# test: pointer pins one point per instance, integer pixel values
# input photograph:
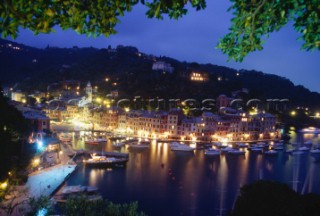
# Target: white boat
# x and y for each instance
(174, 144)
(236, 152)
(212, 151)
(290, 151)
(118, 144)
(101, 161)
(315, 151)
(242, 145)
(227, 149)
(270, 152)
(182, 147)
(256, 149)
(298, 152)
(262, 145)
(303, 148)
(308, 142)
(277, 147)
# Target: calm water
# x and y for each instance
(182, 183)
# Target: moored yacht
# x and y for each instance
(211, 151)
(315, 151)
(303, 148)
(103, 161)
(118, 144)
(182, 147)
(242, 145)
(95, 141)
(236, 152)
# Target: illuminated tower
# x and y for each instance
(89, 92)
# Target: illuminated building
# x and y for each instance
(199, 77)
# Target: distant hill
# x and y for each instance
(130, 72)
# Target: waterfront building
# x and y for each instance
(70, 112)
(55, 114)
(39, 121)
(106, 118)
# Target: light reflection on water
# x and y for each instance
(183, 183)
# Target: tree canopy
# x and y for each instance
(252, 19)
(265, 198)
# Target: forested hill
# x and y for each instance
(130, 72)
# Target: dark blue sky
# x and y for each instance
(193, 38)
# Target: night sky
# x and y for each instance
(194, 38)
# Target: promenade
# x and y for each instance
(44, 183)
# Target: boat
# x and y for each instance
(297, 152)
(270, 152)
(174, 144)
(90, 193)
(262, 145)
(133, 140)
(139, 145)
(315, 151)
(242, 145)
(252, 146)
(226, 149)
(256, 149)
(118, 144)
(217, 144)
(236, 152)
(303, 148)
(277, 147)
(211, 151)
(103, 161)
(308, 142)
(95, 141)
(182, 147)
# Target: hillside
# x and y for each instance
(130, 72)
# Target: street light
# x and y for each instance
(4, 185)
(98, 100)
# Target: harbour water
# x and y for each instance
(183, 183)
